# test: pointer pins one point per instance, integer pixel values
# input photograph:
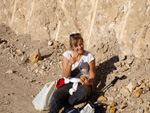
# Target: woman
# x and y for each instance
(77, 62)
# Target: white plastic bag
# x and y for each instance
(42, 100)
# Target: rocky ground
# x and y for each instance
(21, 80)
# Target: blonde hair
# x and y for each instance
(74, 39)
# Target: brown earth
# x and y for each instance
(21, 80)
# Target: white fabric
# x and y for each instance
(76, 65)
(42, 100)
(83, 64)
(75, 82)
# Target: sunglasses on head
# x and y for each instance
(74, 35)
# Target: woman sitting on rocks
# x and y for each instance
(79, 75)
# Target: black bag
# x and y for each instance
(76, 73)
(99, 107)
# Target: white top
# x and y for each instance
(83, 64)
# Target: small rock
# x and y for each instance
(143, 85)
(108, 107)
(19, 52)
(33, 80)
(50, 43)
(37, 82)
(33, 67)
(123, 105)
(130, 87)
(138, 92)
(118, 95)
(10, 72)
(36, 56)
(105, 48)
(24, 45)
(41, 72)
(110, 98)
(117, 64)
(32, 96)
(124, 68)
(140, 81)
(125, 92)
(129, 61)
(36, 71)
(140, 111)
(24, 59)
(43, 67)
(112, 110)
(148, 84)
(122, 57)
(113, 104)
(102, 98)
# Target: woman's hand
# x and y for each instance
(67, 64)
(73, 59)
(85, 81)
(91, 79)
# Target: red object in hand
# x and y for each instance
(60, 82)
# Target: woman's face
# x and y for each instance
(79, 47)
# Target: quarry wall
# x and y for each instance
(107, 26)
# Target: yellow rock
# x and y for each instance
(148, 84)
(113, 104)
(19, 52)
(82, 77)
(143, 85)
(138, 92)
(36, 56)
(112, 110)
(101, 98)
(146, 112)
(104, 106)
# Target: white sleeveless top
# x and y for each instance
(83, 64)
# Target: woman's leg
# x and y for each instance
(59, 97)
(82, 93)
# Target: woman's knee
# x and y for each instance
(85, 90)
(59, 95)
(82, 93)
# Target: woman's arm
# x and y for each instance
(67, 65)
(91, 74)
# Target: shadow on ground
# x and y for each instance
(102, 70)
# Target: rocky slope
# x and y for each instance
(21, 79)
